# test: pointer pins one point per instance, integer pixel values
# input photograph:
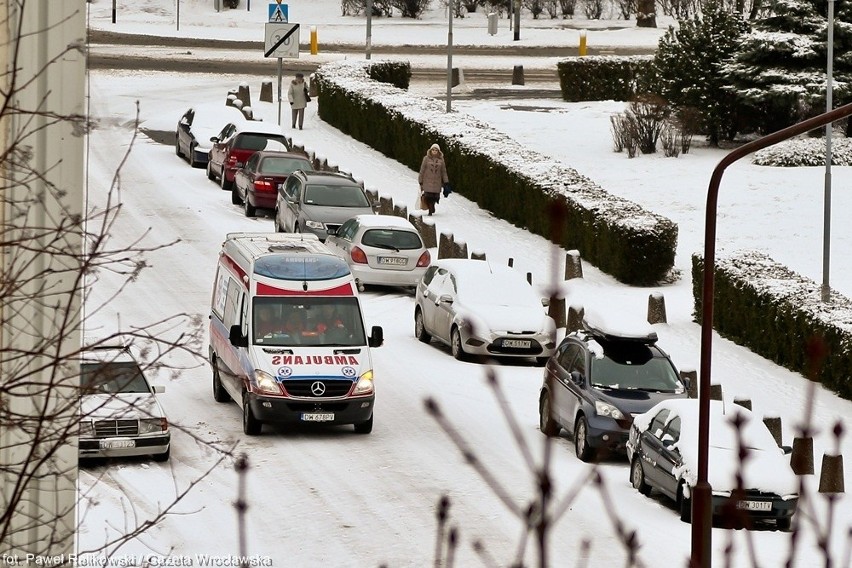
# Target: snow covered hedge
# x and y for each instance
(805, 152)
(778, 314)
(523, 187)
(605, 77)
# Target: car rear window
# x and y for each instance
(391, 238)
(335, 196)
(276, 165)
(257, 141)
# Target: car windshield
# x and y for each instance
(276, 165)
(112, 377)
(288, 321)
(257, 141)
(633, 366)
(335, 196)
(391, 239)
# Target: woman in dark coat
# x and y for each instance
(433, 176)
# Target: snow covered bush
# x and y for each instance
(805, 152)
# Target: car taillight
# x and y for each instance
(424, 260)
(263, 185)
(232, 161)
(358, 255)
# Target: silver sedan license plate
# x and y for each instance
(394, 260)
(117, 444)
(519, 343)
(318, 416)
(755, 505)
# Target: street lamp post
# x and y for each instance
(450, 56)
(825, 290)
(369, 26)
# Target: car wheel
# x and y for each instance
(456, 344)
(193, 163)
(419, 329)
(364, 427)
(250, 209)
(685, 505)
(541, 361)
(223, 180)
(296, 229)
(251, 425)
(177, 147)
(219, 392)
(164, 457)
(784, 524)
(235, 196)
(581, 441)
(546, 423)
(637, 477)
(210, 175)
(278, 227)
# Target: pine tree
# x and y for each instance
(688, 63)
(779, 72)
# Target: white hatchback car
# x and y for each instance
(383, 250)
(120, 415)
(478, 308)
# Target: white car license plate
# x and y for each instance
(519, 343)
(755, 505)
(117, 444)
(394, 260)
(318, 416)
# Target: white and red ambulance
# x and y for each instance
(287, 334)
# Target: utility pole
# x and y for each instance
(825, 289)
(450, 56)
(517, 19)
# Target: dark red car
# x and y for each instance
(235, 144)
(256, 184)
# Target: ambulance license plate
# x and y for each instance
(318, 416)
(755, 505)
(117, 444)
(394, 260)
(518, 343)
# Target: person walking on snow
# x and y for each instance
(297, 94)
(433, 176)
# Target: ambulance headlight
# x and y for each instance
(266, 383)
(364, 384)
(314, 224)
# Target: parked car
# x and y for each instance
(663, 452)
(195, 128)
(257, 183)
(598, 379)
(314, 202)
(483, 309)
(384, 250)
(235, 144)
(120, 415)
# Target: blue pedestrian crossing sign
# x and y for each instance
(278, 13)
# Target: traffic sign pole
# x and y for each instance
(279, 91)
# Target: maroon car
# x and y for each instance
(235, 144)
(256, 184)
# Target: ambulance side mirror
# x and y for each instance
(237, 338)
(377, 336)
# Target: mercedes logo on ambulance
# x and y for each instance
(318, 389)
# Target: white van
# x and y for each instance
(287, 334)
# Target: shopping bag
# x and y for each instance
(423, 204)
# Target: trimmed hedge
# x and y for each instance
(605, 77)
(776, 313)
(523, 187)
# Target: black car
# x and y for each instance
(598, 379)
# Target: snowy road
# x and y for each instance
(326, 497)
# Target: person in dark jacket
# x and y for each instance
(433, 176)
(297, 94)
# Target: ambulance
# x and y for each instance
(287, 334)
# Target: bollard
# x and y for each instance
(518, 75)
(445, 245)
(428, 232)
(385, 205)
(556, 310)
(573, 265)
(400, 211)
(773, 424)
(691, 377)
(744, 402)
(314, 47)
(715, 391)
(492, 23)
(266, 91)
(802, 460)
(477, 255)
(656, 308)
(455, 81)
(575, 319)
(582, 42)
(459, 249)
(831, 475)
(511, 262)
(244, 94)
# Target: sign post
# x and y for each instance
(282, 40)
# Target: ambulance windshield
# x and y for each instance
(308, 321)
